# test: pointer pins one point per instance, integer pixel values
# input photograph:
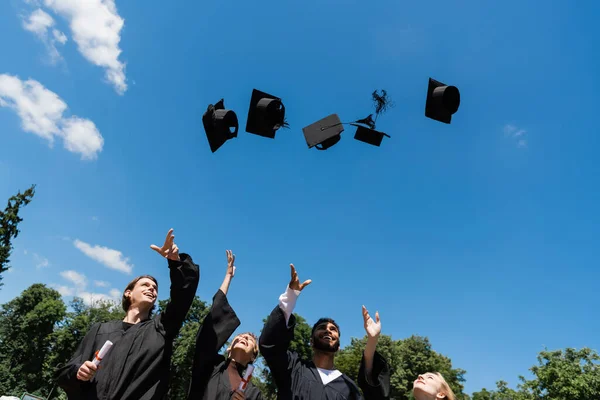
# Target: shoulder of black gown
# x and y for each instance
(185, 275)
(377, 386)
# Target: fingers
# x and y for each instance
(86, 371)
(377, 316)
(169, 236)
(155, 248)
(305, 283)
(366, 316)
(238, 395)
(293, 272)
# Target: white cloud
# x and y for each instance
(96, 28)
(91, 298)
(518, 134)
(101, 283)
(64, 290)
(41, 112)
(40, 262)
(78, 288)
(79, 280)
(113, 259)
(81, 136)
(39, 23)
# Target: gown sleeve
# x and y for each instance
(218, 325)
(274, 343)
(184, 282)
(66, 375)
(376, 386)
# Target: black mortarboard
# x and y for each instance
(218, 123)
(442, 101)
(367, 135)
(265, 115)
(324, 133)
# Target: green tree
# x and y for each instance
(407, 359)
(70, 332)
(183, 348)
(9, 221)
(26, 325)
(565, 374)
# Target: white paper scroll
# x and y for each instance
(100, 354)
(246, 378)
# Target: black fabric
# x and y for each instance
(210, 379)
(299, 379)
(137, 365)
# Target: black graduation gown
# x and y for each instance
(299, 379)
(138, 364)
(210, 379)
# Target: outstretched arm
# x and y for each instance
(278, 332)
(373, 375)
(184, 282)
(230, 272)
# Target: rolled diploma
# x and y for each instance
(100, 354)
(246, 378)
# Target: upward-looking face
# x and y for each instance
(144, 294)
(326, 337)
(428, 386)
(244, 348)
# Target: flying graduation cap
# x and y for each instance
(442, 101)
(266, 114)
(220, 125)
(365, 128)
(324, 133)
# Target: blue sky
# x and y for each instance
(479, 234)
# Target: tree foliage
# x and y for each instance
(9, 222)
(567, 374)
(26, 326)
(407, 359)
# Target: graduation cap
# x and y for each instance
(220, 125)
(265, 115)
(368, 135)
(324, 133)
(442, 101)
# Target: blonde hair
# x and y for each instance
(445, 387)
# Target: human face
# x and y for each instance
(144, 294)
(243, 348)
(428, 386)
(326, 337)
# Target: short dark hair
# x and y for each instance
(126, 301)
(325, 320)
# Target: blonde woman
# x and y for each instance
(432, 386)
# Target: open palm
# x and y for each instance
(372, 327)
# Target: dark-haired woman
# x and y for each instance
(137, 365)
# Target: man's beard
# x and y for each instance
(323, 345)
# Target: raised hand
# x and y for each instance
(295, 282)
(169, 249)
(230, 263)
(373, 328)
